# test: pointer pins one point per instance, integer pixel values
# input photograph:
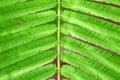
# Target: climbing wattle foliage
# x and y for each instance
(76, 39)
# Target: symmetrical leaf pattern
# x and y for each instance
(59, 39)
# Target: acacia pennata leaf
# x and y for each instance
(59, 39)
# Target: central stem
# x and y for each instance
(58, 42)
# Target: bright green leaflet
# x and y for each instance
(70, 39)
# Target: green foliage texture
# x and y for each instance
(89, 33)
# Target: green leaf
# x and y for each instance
(59, 40)
(96, 9)
(20, 68)
(39, 73)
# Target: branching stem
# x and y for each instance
(58, 42)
